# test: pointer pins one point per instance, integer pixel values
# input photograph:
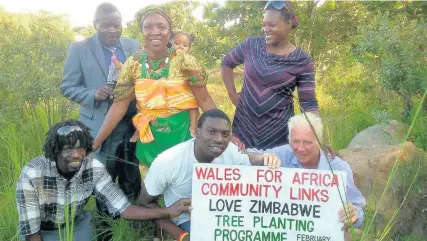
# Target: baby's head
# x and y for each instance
(182, 40)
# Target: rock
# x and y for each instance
(371, 169)
(372, 165)
(376, 162)
(392, 133)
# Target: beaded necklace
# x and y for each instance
(157, 71)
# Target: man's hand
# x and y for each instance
(103, 93)
(348, 216)
(34, 237)
(331, 151)
(271, 160)
(179, 207)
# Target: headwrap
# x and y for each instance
(144, 13)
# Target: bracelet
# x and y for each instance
(192, 79)
(182, 235)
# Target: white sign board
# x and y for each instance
(243, 203)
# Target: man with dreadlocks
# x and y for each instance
(53, 189)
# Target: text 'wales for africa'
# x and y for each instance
(253, 207)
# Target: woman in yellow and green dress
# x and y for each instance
(166, 83)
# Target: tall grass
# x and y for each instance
(69, 227)
(19, 143)
(13, 155)
(387, 229)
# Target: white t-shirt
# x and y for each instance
(172, 171)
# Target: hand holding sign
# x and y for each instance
(238, 143)
(271, 160)
(179, 207)
(351, 216)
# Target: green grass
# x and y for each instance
(14, 154)
(343, 115)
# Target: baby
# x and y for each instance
(183, 40)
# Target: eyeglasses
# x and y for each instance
(279, 5)
(66, 130)
(67, 135)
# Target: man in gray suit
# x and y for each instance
(85, 82)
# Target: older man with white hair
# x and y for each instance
(304, 151)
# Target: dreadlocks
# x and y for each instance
(55, 141)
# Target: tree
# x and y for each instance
(228, 25)
(85, 31)
(394, 48)
(33, 53)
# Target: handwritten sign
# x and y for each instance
(243, 203)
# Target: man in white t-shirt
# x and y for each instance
(171, 172)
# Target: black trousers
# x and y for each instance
(116, 148)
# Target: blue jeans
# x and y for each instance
(82, 230)
(186, 226)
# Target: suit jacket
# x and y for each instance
(84, 72)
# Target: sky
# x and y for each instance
(80, 12)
